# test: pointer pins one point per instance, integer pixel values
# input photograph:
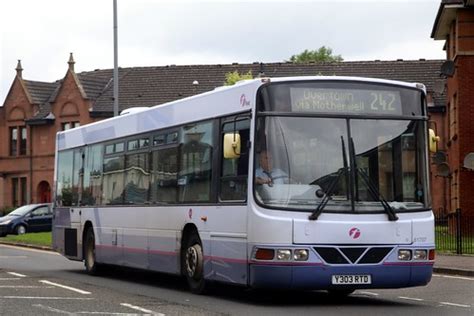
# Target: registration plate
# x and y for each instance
(352, 279)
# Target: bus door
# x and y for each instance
(67, 214)
(229, 238)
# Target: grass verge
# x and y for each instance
(38, 239)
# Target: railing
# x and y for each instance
(454, 233)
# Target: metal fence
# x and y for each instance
(454, 233)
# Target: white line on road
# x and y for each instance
(60, 311)
(25, 287)
(138, 308)
(47, 298)
(411, 298)
(454, 304)
(51, 309)
(367, 293)
(453, 277)
(17, 274)
(9, 279)
(65, 287)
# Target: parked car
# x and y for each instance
(27, 218)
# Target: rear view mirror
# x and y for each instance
(433, 141)
(232, 145)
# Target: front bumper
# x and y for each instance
(5, 229)
(318, 276)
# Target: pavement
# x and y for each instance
(454, 264)
(444, 263)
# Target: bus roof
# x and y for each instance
(218, 102)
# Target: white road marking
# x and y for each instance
(453, 277)
(454, 304)
(60, 311)
(107, 313)
(47, 298)
(17, 274)
(65, 287)
(411, 298)
(367, 293)
(138, 308)
(51, 309)
(25, 287)
(9, 279)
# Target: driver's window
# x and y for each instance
(40, 211)
(234, 172)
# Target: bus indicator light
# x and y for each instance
(264, 254)
(431, 254)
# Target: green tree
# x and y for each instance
(323, 54)
(232, 77)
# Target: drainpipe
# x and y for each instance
(30, 195)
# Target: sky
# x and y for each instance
(163, 32)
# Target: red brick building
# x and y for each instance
(454, 24)
(34, 111)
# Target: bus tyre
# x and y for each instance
(20, 230)
(193, 263)
(92, 267)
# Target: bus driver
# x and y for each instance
(266, 174)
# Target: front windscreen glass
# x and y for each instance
(355, 162)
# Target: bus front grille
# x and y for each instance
(353, 255)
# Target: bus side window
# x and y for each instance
(234, 172)
(195, 164)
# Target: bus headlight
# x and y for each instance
(283, 254)
(420, 254)
(300, 255)
(404, 254)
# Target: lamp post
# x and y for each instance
(116, 87)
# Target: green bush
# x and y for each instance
(5, 210)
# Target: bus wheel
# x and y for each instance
(92, 267)
(193, 262)
(341, 292)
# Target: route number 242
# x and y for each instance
(382, 101)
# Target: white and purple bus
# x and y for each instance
(178, 188)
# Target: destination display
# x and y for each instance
(345, 101)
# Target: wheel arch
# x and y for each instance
(87, 225)
(187, 231)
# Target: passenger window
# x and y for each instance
(113, 180)
(195, 168)
(137, 178)
(164, 187)
(92, 192)
(234, 174)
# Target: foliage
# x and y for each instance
(323, 54)
(40, 239)
(232, 78)
(5, 210)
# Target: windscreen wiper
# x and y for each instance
(392, 216)
(314, 216)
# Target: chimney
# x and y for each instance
(71, 62)
(19, 69)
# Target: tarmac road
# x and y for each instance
(34, 282)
